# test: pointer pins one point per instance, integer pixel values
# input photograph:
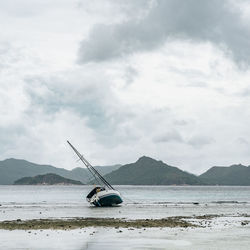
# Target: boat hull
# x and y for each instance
(106, 199)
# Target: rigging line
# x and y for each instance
(95, 171)
(81, 158)
(98, 182)
(84, 161)
(89, 166)
(99, 175)
(91, 171)
(131, 201)
(102, 178)
(90, 178)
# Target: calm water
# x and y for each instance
(139, 201)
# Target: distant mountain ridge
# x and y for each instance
(13, 169)
(232, 175)
(147, 171)
(46, 179)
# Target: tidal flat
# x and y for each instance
(199, 232)
(74, 223)
(42, 217)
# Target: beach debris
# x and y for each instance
(244, 223)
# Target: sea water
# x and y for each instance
(32, 202)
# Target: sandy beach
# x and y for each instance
(209, 232)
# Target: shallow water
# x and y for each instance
(27, 202)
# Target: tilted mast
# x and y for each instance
(91, 169)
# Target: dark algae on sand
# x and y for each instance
(63, 224)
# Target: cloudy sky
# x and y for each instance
(169, 79)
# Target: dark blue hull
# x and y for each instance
(108, 200)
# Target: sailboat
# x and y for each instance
(103, 194)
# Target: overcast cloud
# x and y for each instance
(121, 79)
(212, 21)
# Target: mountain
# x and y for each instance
(47, 179)
(233, 175)
(13, 169)
(147, 171)
(107, 169)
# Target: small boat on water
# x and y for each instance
(104, 194)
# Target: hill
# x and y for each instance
(147, 171)
(107, 169)
(233, 175)
(13, 169)
(47, 179)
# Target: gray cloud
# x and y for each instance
(130, 74)
(201, 21)
(180, 122)
(9, 55)
(90, 97)
(244, 93)
(86, 98)
(200, 141)
(168, 137)
(243, 141)
(120, 8)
